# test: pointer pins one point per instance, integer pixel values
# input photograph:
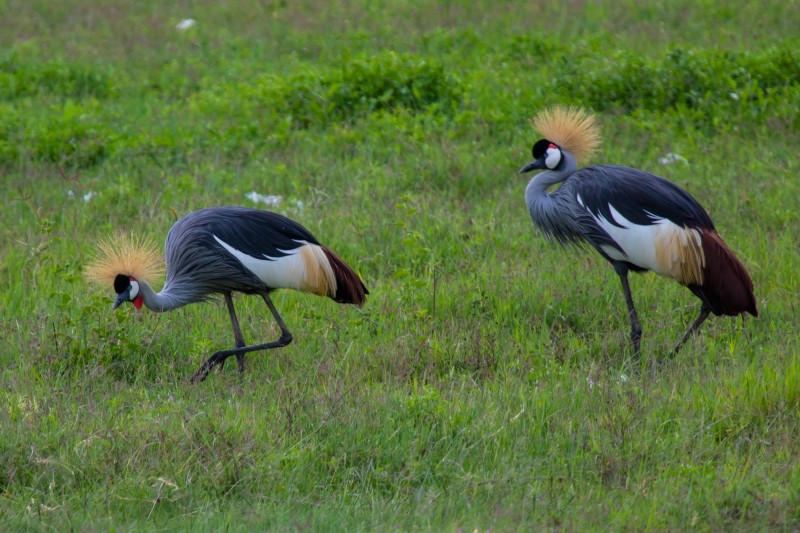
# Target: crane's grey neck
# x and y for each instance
(536, 191)
(160, 301)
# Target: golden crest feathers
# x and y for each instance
(571, 128)
(133, 256)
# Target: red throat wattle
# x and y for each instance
(137, 302)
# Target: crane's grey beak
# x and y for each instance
(123, 297)
(533, 165)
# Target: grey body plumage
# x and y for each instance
(222, 250)
(569, 214)
(557, 214)
(198, 265)
(636, 220)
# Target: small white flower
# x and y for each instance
(185, 24)
(270, 200)
(622, 378)
(299, 205)
(733, 96)
(590, 381)
(672, 158)
(70, 194)
(88, 196)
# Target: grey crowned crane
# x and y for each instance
(636, 220)
(222, 250)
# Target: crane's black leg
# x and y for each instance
(220, 356)
(237, 333)
(636, 328)
(704, 312)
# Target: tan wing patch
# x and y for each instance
(572, 128)
(319, 278)
(128, 255)
(679, 254)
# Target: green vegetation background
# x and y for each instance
(488, 382)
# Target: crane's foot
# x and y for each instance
(636, 347)
(677, 347)
(218, 359)
(636, 338)
(704, 312)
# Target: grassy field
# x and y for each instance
(488, 383)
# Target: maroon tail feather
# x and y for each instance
(727, 288)
(349, 287)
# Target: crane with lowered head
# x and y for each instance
(636, 220)
(222, 250)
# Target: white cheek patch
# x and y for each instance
(553, 158)
(134, 289)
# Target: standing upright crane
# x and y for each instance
(224, 250)
(636, 220)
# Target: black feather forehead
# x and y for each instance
(121, 282)
(540, 147)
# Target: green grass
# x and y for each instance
(488, 383)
